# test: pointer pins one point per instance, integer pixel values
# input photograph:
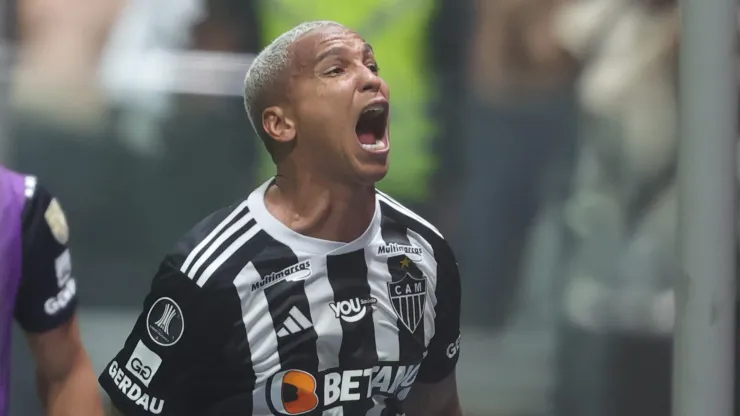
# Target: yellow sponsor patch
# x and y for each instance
(57, 222)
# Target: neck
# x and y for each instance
(320, 208)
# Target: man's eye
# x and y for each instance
(374, 67)
(335, 71)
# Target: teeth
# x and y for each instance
(379, 145)
(374, 109)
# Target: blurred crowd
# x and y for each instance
(540, 135)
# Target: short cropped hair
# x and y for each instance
(263, 75)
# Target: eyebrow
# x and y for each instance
(339, 50)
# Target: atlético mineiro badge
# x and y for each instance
(408, 297)
(165, 322)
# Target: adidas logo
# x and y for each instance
(294, 324)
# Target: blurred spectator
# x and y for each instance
(54, 89)
(448, 41)
(518, 126)
(56, 75)
(622, 215)
(175, 147)
(148, 157)
(57, 107)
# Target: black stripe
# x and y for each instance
(206, 227)
(231, 381)
(297, 351)
(347, 275)
(411, 346)
(221, 248)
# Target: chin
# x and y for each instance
(370, 174)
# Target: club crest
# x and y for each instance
(408, 297)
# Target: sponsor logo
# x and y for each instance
(393, 249)
(295, 392)
(295, 323)
(454, 348)
(354, 309)
(133, 392)
(408, 297)
(57, 222)
(63, 268)
(67, 285)
(165, 322)
(55, 304)
(294, 273)
(143, 363)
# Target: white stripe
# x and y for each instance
(291, 325)
(384, 317)
(428, 266)
(403, 297)
(407, 212)
(337, 411)
(218, 243)
(211, 236)
(319, 294)
(263, 342)
(298, 316)
(408, 310)
(236, 245)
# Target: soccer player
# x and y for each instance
(37, 288)
(316, 294)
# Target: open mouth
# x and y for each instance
(372, 125)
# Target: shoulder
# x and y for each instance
(398, 213)
(43, 214)
(37, 198)
(218, 246)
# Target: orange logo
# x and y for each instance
(294, 392)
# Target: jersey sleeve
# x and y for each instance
(46, 296)
(163, 365)
(444, 348)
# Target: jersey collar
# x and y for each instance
(300, 242)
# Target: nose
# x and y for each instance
(371, 82)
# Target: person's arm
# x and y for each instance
(45, 309)
(435, 391)
(109, 409)
(436, 399)
(65, 377)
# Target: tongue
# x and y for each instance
(366, 137)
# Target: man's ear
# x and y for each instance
(278, 125)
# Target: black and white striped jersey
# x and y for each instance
(248, 317)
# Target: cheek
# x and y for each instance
(327, 110)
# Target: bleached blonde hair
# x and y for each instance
(262, 76)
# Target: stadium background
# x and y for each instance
(539, 135)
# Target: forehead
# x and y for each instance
(310, 47)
